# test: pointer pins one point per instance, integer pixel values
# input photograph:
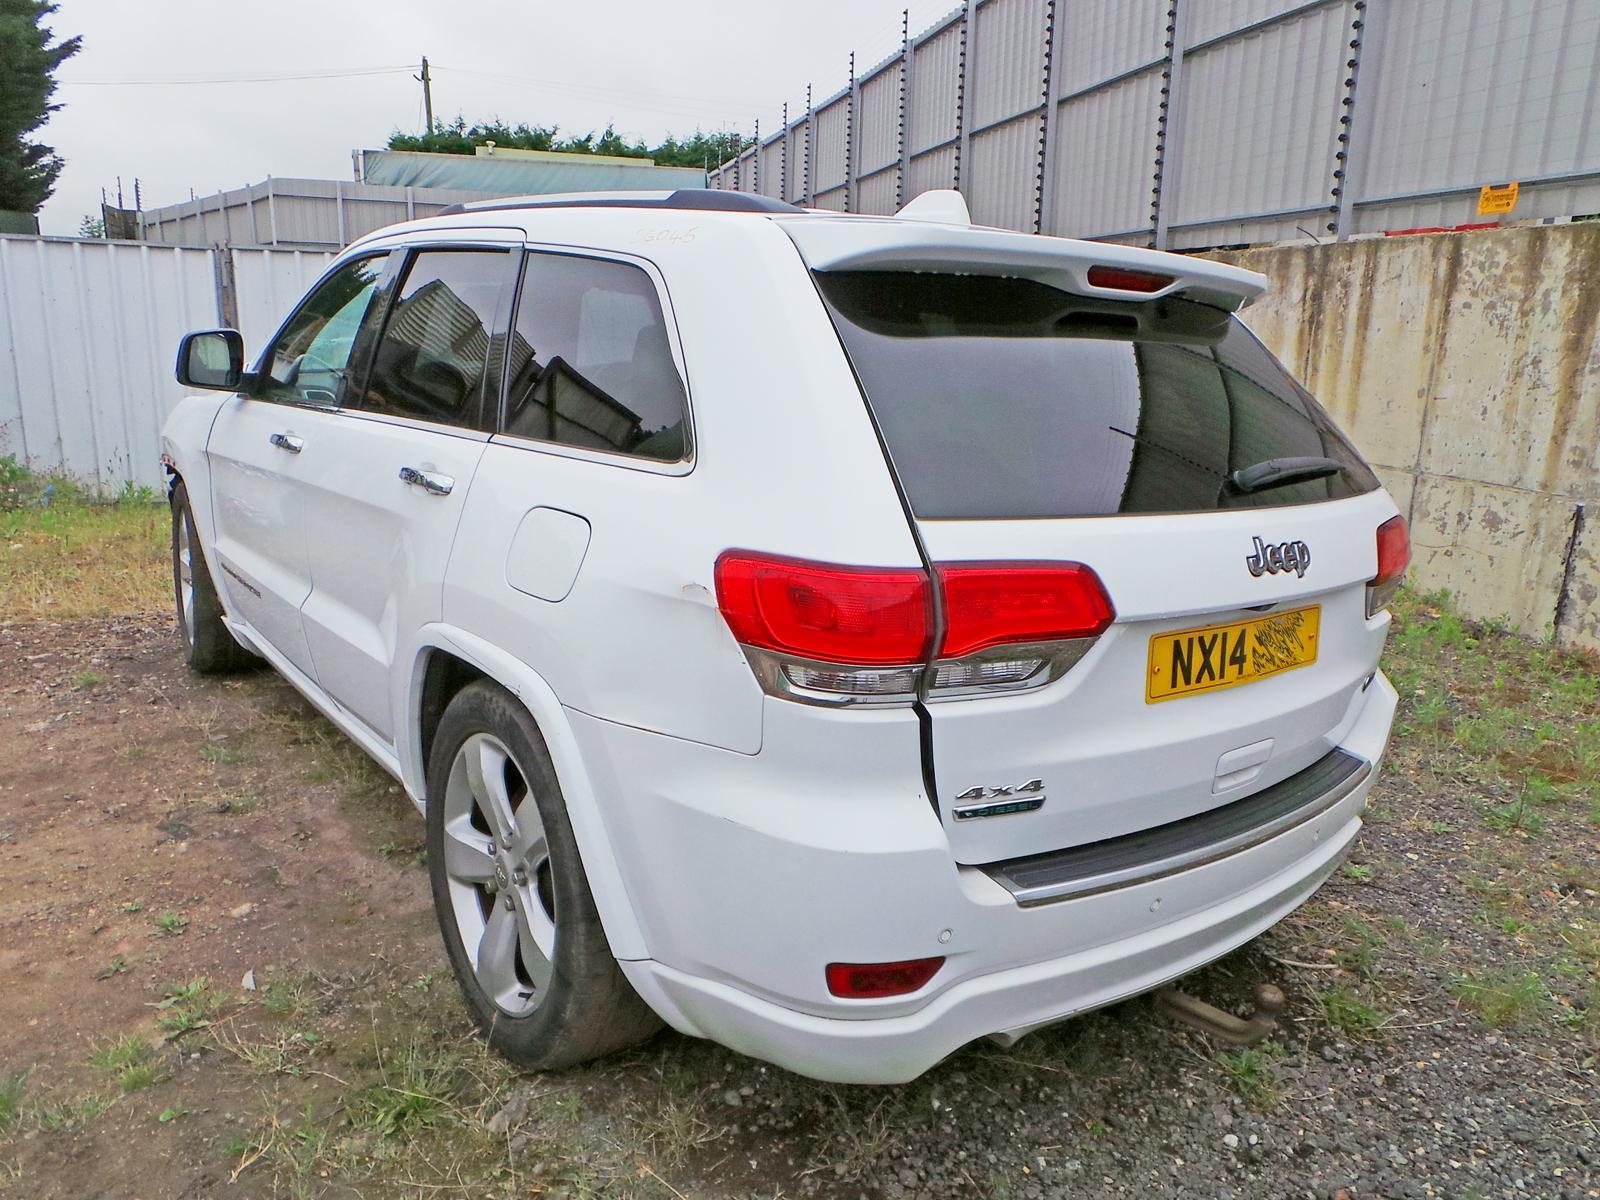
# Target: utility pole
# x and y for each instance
(427, 91)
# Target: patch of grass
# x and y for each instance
(115, 1057)
(1253, 1073)
(1359, 872)
(219, 755)
(1360, 948)
(418, 1089)
(75, 557)
(186, 1008)
(117, 965)
(67, 1114)
(1505, 998)
(1349, 1013)
(12, 1089)
(287, 995)
(85, 681)
(170, 924)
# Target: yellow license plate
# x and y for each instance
(1223, 656)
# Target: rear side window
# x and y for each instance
(431, 360)
(1004, 398)
(590, 364)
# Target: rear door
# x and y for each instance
(259, 468)
(394, 468)
(1026, 424)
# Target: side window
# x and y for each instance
(590, 364)
(434, 349)
(311, 359)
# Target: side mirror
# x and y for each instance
(212, 359)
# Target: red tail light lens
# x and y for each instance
(1123, 280)
(836, 614)
(1394, 556)
(995, 604)
(867, 981)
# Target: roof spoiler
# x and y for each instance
(877, 244)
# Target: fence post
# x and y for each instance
(227, 290)
(783, 162)
(1355, 123)
(338, 200)
(964, 68)
(850, 140)
(1045, 193)
(272, 213)
(810, 139)
(757, 171)
(903, 129)
(1169, 132)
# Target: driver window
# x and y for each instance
(310, 361)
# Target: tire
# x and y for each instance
(514, 906)
(208, 647)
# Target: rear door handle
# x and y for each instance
(288, 441)
(429, 481)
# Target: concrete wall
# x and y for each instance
(1467, 369)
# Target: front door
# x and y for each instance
(258, 452)
(393, 472)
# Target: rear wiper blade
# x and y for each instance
(1277, 472)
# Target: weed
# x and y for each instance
(1358, 871)
(171, 924)
(172, 1114)
(69, 1113)
(134, 752)
(1503, 998)
(187, 1008)
(132, 906)
(117, 965)
(1349, 1013)
(115, 1057)
(1361, 949)
(1253, 1074)
(1517, 815)
(85, 681)
(417, 1091)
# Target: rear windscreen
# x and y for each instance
(1006, 398)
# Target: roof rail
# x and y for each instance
(706, 199)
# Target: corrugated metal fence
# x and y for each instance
(88, 332)
(1193, 123)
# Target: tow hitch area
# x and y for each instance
(1223, 1026)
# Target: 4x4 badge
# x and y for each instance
(1284, 556)
(999, 801)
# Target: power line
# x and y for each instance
(285, 77)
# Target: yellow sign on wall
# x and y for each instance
(1497, 199)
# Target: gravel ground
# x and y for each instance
(1439, 1040)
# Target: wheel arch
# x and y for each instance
(448, 659)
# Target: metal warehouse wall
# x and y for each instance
(88, 337)
(1194, 123)
(1467, 369)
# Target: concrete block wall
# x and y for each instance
(1466, 367)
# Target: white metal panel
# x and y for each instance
(1215, 18)
(1259, 120)
(877, 194)
(1007, 73)
(268, 284)
(1101, 39)
(877, 125)
(1105, 159)
(88, 333)
(1484, 91)
(828, 165)
(935, 169)
(935, 74)
(772, 167)
(1002, 185)
(833, 199)
(800, 151)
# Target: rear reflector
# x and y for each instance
(1123, 280)
(867, 981)
(995, 604)
(835, 614)
(1394, 556)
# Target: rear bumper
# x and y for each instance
(742, 927)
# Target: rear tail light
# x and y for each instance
(1394, 556)
(871, 981)
(838, 634)
(1121, 279)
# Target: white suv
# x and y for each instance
(839, 637)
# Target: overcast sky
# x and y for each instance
(649, 68)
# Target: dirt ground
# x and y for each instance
(220, 975)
